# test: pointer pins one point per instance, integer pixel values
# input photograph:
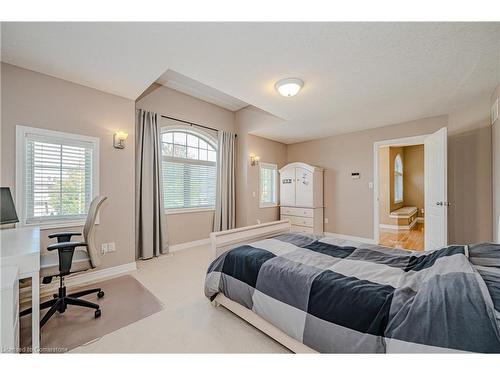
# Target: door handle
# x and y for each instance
(443, 204)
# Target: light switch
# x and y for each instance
(370, 185)
(254, 194)
(326, 220)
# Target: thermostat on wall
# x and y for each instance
(355, 175)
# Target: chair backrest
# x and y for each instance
(89, 230)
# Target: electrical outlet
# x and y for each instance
(107, 247)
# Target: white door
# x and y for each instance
(287, 187)
(303, 188)
(435, 190)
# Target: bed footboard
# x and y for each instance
(228, 239)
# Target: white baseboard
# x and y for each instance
(187, 245)
(370, 241)
(82, 279)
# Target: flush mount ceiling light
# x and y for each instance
(289, 87)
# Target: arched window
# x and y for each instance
(398, 179)
(189, 168)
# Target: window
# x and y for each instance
(268, 185)
(398, 179)
(189, 169)
(57, 176)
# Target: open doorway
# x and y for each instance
(401, 204)
(401, 196)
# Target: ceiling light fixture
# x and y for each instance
(289, 87)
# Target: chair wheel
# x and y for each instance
(97, 314)
(100, 294)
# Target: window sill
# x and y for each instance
(55, 225)
(188, 210)
(267, 205)
(397, 202)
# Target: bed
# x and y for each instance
(335, 296)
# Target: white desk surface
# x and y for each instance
(20, 247)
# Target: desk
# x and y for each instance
(20, 247)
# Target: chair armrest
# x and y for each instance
(65, 245)
(64, 234)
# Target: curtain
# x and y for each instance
(225, 217)
(151, 234)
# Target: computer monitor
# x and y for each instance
(8, 213)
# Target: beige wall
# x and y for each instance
(269, 152)
(187, 227)
(496, 169)
(247, 120)
(349, 203)
(413, 177)
(37, 100)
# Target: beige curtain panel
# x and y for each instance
(225, 217)
(151, 233)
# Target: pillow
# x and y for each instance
(485, 254)
(491, 277)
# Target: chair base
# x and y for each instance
(61, 301)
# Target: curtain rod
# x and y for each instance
(192, 123)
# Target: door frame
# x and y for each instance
(402, 142)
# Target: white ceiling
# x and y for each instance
(357, 75)
(198, 90)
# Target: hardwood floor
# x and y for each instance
(404, 239)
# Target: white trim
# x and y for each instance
(21, 132)
(58, 224)
(89, 277)
(274, 168)
(188, 245)
(175, 211)
(405, 141)
(370, 241)
(308, 167)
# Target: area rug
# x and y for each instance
(125, 301)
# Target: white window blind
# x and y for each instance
(398, 179)
(188, 169)
(268, 185)
(58, 175)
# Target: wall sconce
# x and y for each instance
(254, 160)
(119, 139)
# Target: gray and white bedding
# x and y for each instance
(336, 296)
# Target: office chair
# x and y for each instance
(67, 260)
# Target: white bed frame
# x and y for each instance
(229, 239)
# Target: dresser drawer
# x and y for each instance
(299, 229)
(297, 220)
(297, 211)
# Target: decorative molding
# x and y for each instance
(370, 241)
(187, 245)
(79, 279)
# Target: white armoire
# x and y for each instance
(301, 197)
